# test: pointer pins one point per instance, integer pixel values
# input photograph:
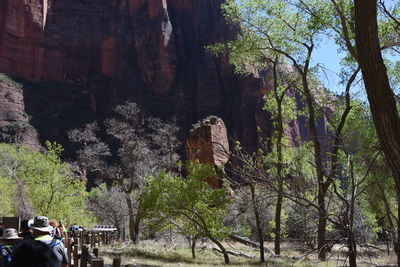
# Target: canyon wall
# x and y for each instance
(79, 58)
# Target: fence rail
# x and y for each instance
(83, 248)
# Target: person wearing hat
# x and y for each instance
(42, 232)
(9, 239)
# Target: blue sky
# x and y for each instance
(327, 54)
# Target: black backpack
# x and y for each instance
(6, 252)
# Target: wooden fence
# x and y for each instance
(83, 248)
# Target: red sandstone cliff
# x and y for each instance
(81, 57)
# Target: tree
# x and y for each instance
(292, 29)
(188, 203)
(282, 108)
(248, 173)
(40, 184)
(134, 147)
(380, 95)
(109, 205)
(357, 159)
(265, 168)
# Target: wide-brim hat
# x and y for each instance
(10, 234)
(40, 223)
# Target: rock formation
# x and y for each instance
(14, 122)
(79, 58)
(208, 143)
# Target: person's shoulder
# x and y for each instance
(59, 244)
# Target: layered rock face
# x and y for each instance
(82, 57)
(14, 122)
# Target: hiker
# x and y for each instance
(9, 239)
(55, 232)
(63, 230)
(42, 232)
(33, 253)
(74, 228)
(26, 232)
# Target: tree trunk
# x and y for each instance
(351, 240)
(397, 240)
(322, 186)
(258, 223)
(226, 256)
(278, 215)
(321, 229)
(351, 245)
(380, 95)
(131, 218)
(116, 225)
(249, 243)
(193, 246)
(136, 229)
(278, 211)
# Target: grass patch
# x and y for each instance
(157, 255)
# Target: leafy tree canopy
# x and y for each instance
(38, 183)
(188, 204)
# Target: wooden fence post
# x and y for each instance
(97, 263)
(84, 256)
(68, 244)
(97, 239)
(76, 259)
(116, 262)
(88, 236)
(102, 238)
(75, 241)
(92, 239)
(81, 239)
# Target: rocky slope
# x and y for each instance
(78, 58)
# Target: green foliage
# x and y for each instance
(9, 81)
(286, 27)
(245, 229)
(361, 158)
(394, 75)
(7, 192)
(48, 184)
(13, 131)
(189, 204)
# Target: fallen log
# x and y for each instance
(234, 253)
(249, 243)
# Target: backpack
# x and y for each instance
(6, 252)
(56, 241)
